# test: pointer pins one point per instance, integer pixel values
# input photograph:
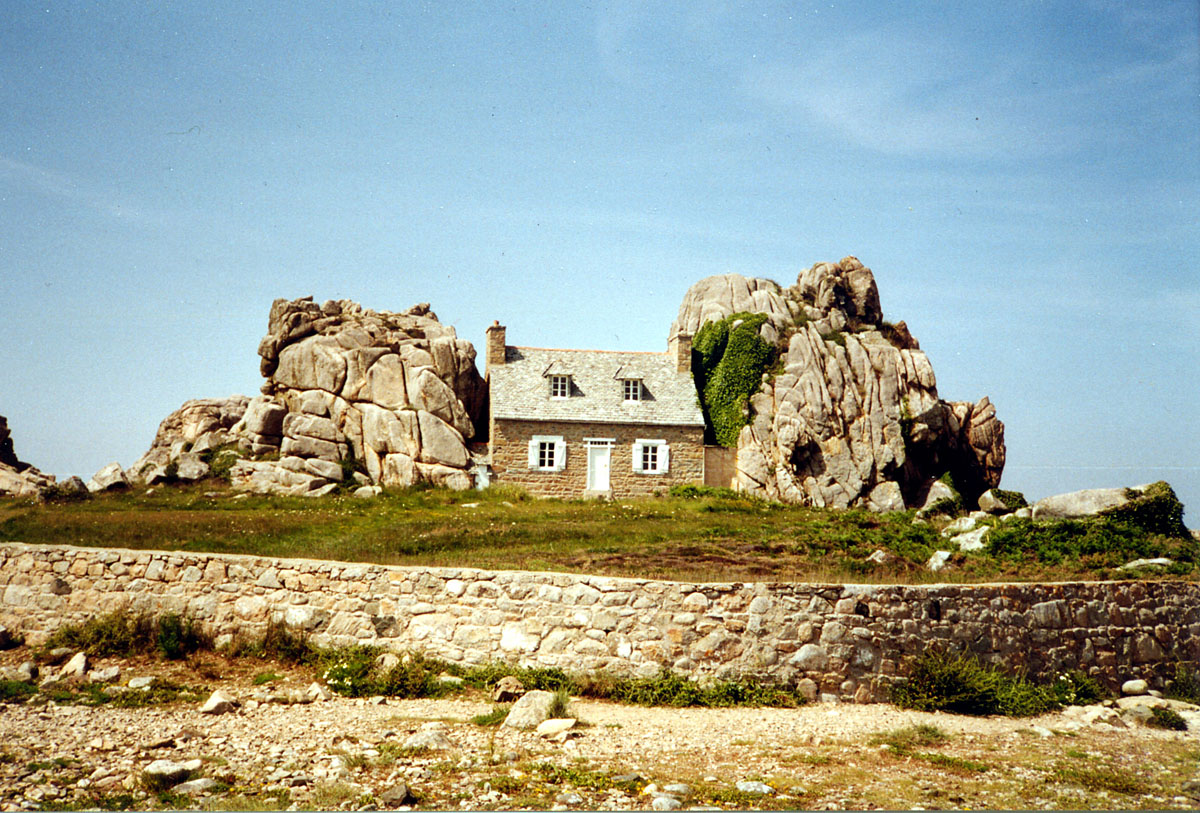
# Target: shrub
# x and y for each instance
(960, 684)
(121, 633)
(1012, 499)
(1102, 541)
(671, 689)
(279, 642)
(118, 633)
(691, 491)
(1078, 688)
(836, 337)
(220, 460)
(1185, 686)
(1163, 717)
(178, 637)
(1156, 511)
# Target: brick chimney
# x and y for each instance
(495, 345)
(679, 347)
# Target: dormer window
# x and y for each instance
(632, 388)
(560, 386)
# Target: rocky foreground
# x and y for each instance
(273, 742)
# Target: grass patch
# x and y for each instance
(16, 691)
(265, 677)
(494, 717)
(906, 739)
(697, 535)
(1107, 779)
(953, 763)
(960, 684)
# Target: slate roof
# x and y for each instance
(520, 388)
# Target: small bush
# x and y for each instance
(278, 642)
(1012, 500)
(960, 684)
(559, 704)
(670, 689)
(1078, 688)
(122, 634)
(691, 491)
(1185, 685)
(836, 337)
(221, 460)
(1163, 717)
(118, 633)
(179, 637)
(1156, 511)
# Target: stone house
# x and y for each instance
(592, 423)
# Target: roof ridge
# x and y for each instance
(582, 350)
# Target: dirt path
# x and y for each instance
(352, 754)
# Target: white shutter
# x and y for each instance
(637, 457)
(664, 458)
(533, 454)
(560, 455)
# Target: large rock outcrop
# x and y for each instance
(851, 415)
(18, 479)
(398, 393)
(390, 398)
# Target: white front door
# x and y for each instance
(599, 467)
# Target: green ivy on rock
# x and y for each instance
(731, 360)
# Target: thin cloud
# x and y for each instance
(906, 95)
(69, 188)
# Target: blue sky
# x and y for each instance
(1022, 177)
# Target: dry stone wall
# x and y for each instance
(838, 641)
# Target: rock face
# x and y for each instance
(397, 393)
(198, 426)
(395, 396)
(16, 478)
(853, 417)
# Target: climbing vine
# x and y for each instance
(731, 358)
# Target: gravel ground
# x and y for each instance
(354, 754)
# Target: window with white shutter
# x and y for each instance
(547, 453)
(651, 456)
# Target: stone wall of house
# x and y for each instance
(510, 457)
(843, 641)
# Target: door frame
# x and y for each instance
(598, 448)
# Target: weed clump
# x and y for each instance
(1185, 685)
(15, 691)
(121, 633)
(671, 689)
(1077, 688)
(1163, 717)
(960, 684)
